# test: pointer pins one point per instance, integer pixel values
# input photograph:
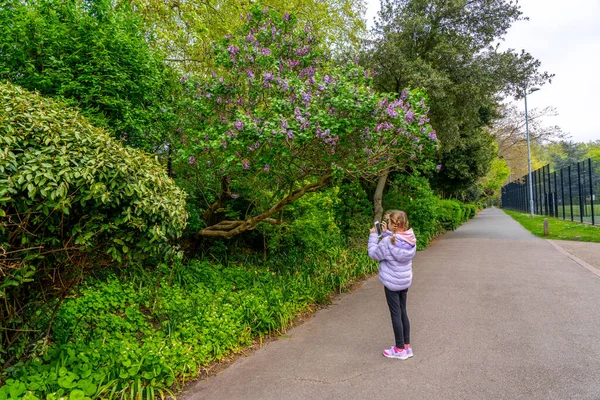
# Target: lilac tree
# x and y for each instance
(279, 120)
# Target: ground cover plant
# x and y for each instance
(559, 229)
(143, 334)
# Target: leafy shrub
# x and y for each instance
(414, 195)
(71, 199)
(140, 337)
(449, 215)
(472, 210)
(354, 213)
(309, 225)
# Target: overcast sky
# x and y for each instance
(565, 37)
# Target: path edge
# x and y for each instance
(578, 260)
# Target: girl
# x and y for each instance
(395, 252)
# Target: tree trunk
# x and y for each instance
(378, 197)
(228, 229)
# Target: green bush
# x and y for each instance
(354, 213)
(309, 225)
(71, 199)
(414, 195)
(140, 337)
(472, 210)
(449, 215)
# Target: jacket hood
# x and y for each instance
(408, 236)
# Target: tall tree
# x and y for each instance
(511, 135)
(447, 47)
(93, 55)
(278, 120)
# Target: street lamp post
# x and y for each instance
(529, 181)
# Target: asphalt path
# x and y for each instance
(495, 313)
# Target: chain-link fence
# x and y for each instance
(571, 193)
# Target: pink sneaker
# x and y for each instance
(409, 351)
(393, 353)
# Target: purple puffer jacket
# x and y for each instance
(395, 260)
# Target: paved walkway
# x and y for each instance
(496, 313)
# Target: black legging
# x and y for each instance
(397, 304)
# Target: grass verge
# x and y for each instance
(558, 229)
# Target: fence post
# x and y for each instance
(555, 198)
(591, 190)
(539, 194)
(550, 202)
(583, 173)
(528, 201)
(545, 192)
(570, 193)
(562, 191)
(580, 192)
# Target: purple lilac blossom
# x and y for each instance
(306, 97)
(290, 134)
(267, 168)
(409, 116)
(192, 160)
(433, 136)
(391, 111)
(438, 167)
(250, 74)
(239, 125)
(234, 196)
(245, 164)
